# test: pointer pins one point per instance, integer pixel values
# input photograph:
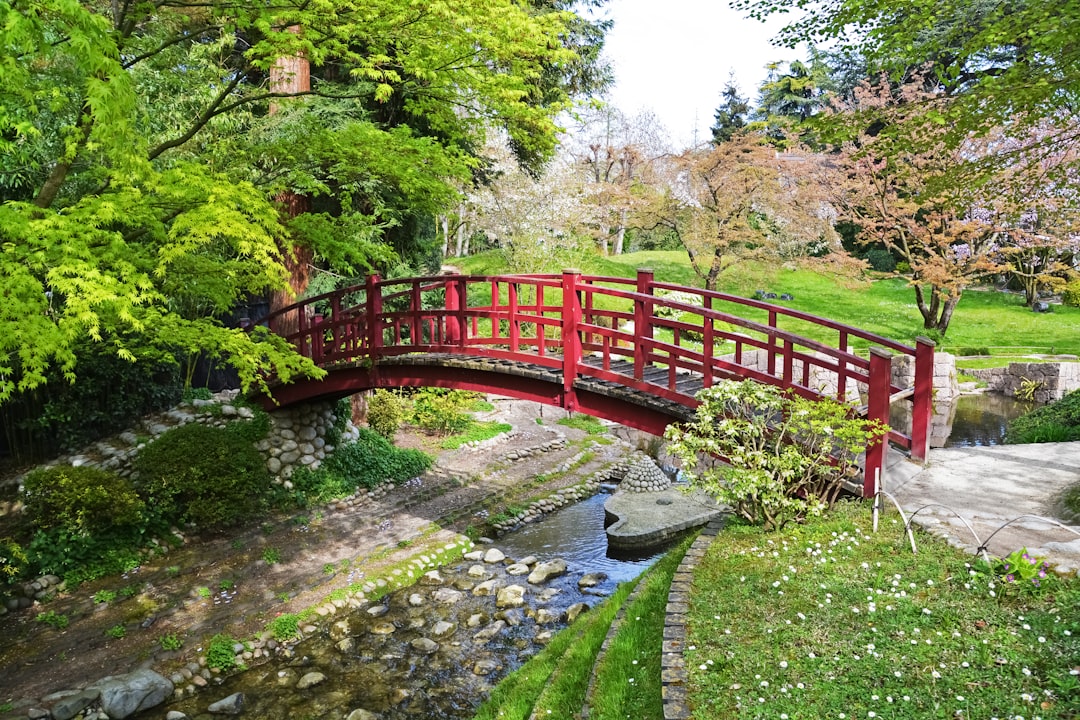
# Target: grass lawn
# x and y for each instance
(983, 318)
(830, 620)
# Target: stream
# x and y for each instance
(435, 649)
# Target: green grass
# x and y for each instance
(515, 696)
(585, 423)
(885, 307)
(830, 621)
(477, 431)
(628, 676)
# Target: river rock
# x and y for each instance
(36, 713)
(360, 714)
(517, 569)
(383, 628)
(591, 580)
(574, 610)
(477, 571)
(346, 646)
(488, 587)
(443, 628)
(125, 695)
(510, 596)
(549, 593)
(447, 596)
(71, 705)
(311, 679)
(485, 667)
(474, 555)
(232, 705)
(545, 617)
(432, 578)
(528, 560)
(512, 616)
(489, 632)
(424, 646)
(377, 610)
(416, 600)
(547, 570)
(175, 715)
(494, 556)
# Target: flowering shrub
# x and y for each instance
(787, 457)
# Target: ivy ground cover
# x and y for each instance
(833, 620)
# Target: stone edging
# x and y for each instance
(673, 674)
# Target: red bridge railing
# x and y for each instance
(617, 329)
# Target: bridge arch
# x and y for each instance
(635, 351)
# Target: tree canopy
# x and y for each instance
(139, 160)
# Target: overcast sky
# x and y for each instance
(674, 57)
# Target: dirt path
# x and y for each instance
(236, 584)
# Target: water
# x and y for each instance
(983, 419)
(374, 664)
(576, 534)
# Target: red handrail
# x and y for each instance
(585, 325)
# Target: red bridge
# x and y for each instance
(631, 351)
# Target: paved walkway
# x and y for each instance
(987, 487)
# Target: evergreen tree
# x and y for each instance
(732, 114)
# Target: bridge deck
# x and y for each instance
(635, 351)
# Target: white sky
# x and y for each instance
(674, 57)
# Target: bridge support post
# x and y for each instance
(374, 316)
(571, 321)
(454, 302)
(922, 404)
(877, 409)
(642, 321)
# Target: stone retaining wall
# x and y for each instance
(1047, 381)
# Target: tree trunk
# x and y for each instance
(291, 75)
(929, 312)
(620, 234)
(604, 232)
(946, 313)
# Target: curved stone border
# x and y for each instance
(673, 674)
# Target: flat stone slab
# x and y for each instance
(646, 519)
(989, 486)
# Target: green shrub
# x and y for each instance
(1071, 294)
(220, 654)
(372, 459)
(78, 557)
(84, 500)
(881, 260)
(212, 477)
(966, 350)
(1057, 422)
(285, 627)
(385, 413)
(319, 486)
(903, 267)
(441, 411)
(13, 561)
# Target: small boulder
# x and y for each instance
(510, 596)
(547, 571)
(494, 556)
(591, 580)
(361, 714)
(232, 705)
(424, 646)
(447, 596)
(125, 695)
(310, 680)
